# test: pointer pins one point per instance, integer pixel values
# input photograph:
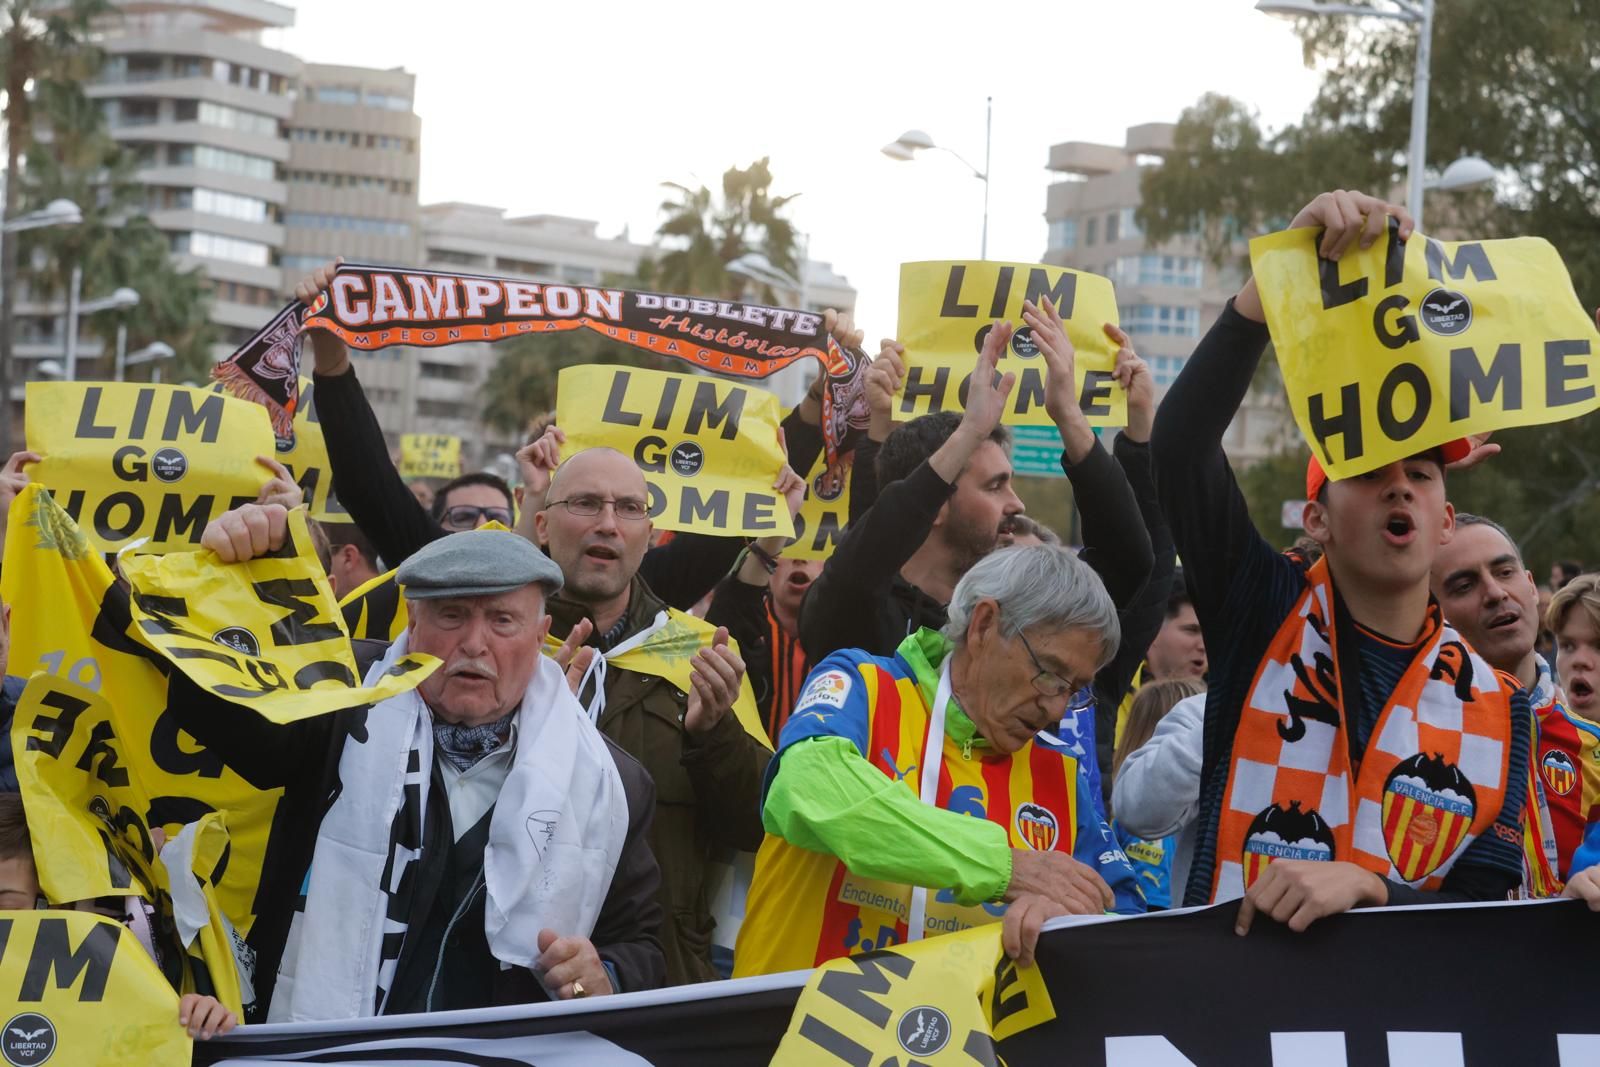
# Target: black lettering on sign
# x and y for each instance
(664, 406)
(873, 971)
(142, 403)
(658, 499)
(758, 512)
(1096, 396)
(88, 429)
(1394, 256)
(1470, 259)
(117, 872)
(915, 388)
(323, 671)
(1346, 424)
(173, 523)
(164, 612)
(706, 410)
(827, 532)
(167, 749)
(1002, 293)
(1335, 293)
(101, 754)
(842, 1048)
(1029, 391)
(103, 512)
(58, 728)
(952, 308)
(693, 507)
(614, 412)
(265, 673)
(1006, 1004)
(1468, 379)
(5, 936)
(1558, 372)
(1404, 328)
(1394, 427)
(295, 595)
(651, 454)
(124, 467)
(1063, 294)
(53, 954)
(182, 415)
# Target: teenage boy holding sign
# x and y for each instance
(1357, 751)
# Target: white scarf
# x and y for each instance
(555, 837)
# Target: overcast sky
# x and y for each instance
(582, 109)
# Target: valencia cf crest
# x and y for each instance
(1280, 833)
(1428, 806)
(1560, 773)
(1038, 826)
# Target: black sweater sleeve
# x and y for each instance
(864, 477)
(688, 567)
(1115, 541)
(1195, 487)
(265, 754)
(840, 606)
(364, 478)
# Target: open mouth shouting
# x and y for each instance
(601, 553)
(1580, 691)
(1503, 620)
(1399, 529)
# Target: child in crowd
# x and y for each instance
(202, 1016)
(1574, 618)
(1152, 857)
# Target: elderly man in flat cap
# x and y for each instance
(473, 842)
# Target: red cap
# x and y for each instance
(1316, 477)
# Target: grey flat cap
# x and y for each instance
(476, 563)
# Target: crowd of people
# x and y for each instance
(963, 721)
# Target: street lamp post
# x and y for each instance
(120, 300)
(55, 213)
(1420, 14)
(150, 353)
(905, 148)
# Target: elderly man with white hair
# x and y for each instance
(923, 792)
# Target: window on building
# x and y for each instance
(224, 117)
(446, 409)
(1091, 232)
(447, 372)
(1113, 227)
(388, 101)
(450, 258)
(207, 157)
(1186, 272)
(1160, 320)
(1064, 233)
(216, 246)
(336, 94)
(1130, 224)
(144, 68)
(230, 205)
(355, 223)
(1165, 369)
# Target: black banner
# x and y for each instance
(1419, 987)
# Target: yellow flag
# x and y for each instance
(265, 633)
(667, 654)
(941, 1001)
(86, 802)
(708, 448)
(375, 610)
(73, 621)
(948, 308)
(1402, 347)
(80, 991)
(430, 455)
(825, 510)
(130, 460)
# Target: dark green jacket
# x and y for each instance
(708, 788)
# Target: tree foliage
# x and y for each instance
(1519, 85)
(702, 233)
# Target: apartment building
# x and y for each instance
(1168, 295)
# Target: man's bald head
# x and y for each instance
(599, 552)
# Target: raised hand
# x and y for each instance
(882, 382)
(1133, 374)
(714, 677)
(332, 357)
(282, 489)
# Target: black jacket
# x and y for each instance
(302, 758)
(860, 600)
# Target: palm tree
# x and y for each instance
(702, 234)
(40, 45)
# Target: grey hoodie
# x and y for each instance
(1157, 791)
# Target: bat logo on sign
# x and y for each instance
(1446, 312)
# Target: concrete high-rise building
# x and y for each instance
(189, 87)
(1167, 296)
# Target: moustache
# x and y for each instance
(482, 668)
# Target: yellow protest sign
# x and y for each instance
(307, 457)
(430, 455)
(708, 449)
(80, 991)
(943, 1000)
(948, 308)
(667, 653)
(825, 510)
(79, 627)
(86, 804)
(375, 610)
(130, 460)
(1402, 347)
(265, 633)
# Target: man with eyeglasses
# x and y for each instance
(473, 500)
(924, 792)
